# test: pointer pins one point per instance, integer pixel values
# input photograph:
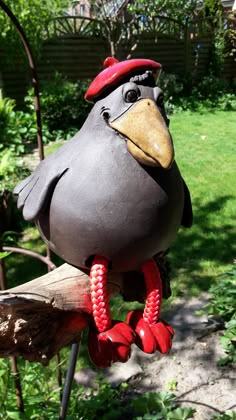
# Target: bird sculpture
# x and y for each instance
(112, 198)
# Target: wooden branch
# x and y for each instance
(40, 317)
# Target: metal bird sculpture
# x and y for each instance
(112, 198)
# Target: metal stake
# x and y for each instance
(69, 380)
(18, 387)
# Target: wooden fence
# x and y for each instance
(79, 58)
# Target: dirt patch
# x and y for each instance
(190, 370)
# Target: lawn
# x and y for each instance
(205, 152)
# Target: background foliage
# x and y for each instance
(34, 16)
(62, 104)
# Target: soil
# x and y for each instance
(190, 369)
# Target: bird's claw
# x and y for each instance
(150, 337)
(113, 345)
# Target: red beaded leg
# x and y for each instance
(151, 333)
(98, 290)
(108, 341)
(152, 277)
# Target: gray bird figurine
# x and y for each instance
(114, 190)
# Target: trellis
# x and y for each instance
(75, 25)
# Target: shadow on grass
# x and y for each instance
(198, 252)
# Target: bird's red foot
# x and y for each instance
(113, 345)
(150, 337)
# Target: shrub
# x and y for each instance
(172, 87)
(62, 103)
(10, 170)
(211, 86)
(210, 92)
(17, 128)
(6, 108)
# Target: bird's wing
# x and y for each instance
(35, 192)
(187, 217)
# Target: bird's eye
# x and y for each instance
(106, 115)
(160, 100)
(131, 96)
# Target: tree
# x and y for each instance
(174, 9)
(212, 13)
(118, 25)
(124, 21)
(34, 16)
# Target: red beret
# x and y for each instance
(115, 71)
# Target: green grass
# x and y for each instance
(205, 152)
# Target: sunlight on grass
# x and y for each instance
(205, 152)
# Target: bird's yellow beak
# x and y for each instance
(148, 138)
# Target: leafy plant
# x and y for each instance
(17, 127)
(10, 170)
(34, 16)
(210, 92)
(5, 378)
(222, 303)
(62, 104)
(105, 403)
(172, 385)
(41, 397)
(228, 415)
(6, 107)
(228, 341)
(179, 10)
(4, 254)
(172, 87)
(156, 406)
